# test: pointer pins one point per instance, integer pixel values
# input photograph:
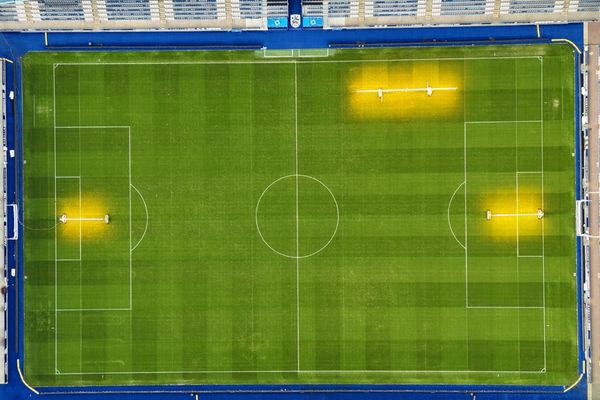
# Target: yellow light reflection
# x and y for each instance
(501, 202)
(405, 105)
(91, 207)
(505, 202)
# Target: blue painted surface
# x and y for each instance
(312, 22)
(14, 45)
(277, 22)
(295, 7)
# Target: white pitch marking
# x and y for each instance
(80, 225)
(130, 232)
(297, 221)
(543, 307)
(294, 61)
(56, 227)
(265, 54)
(308, 55)
(94, 127)
(310, 372)
(449, 224)
(145, 227)
(543, 226)
(517, 200)
(92, 309)
(311, 61)
(130, 185)
(258, 206)
(83, 219)
(466, 219)
(467, 355)
(509, 307)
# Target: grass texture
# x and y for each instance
(269, 224)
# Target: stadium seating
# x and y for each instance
(529, 6)
(400, 8)
(263, 14)
(194, 9)
(584, 6)
(462, 7)
(128, 9)
(10, 12)
(56, 10)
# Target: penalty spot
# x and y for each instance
(489, 215)
(64, 219)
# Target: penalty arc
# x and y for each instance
(489, 215)
(64, 219)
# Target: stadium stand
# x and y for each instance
(277, 8)
(179, 10)
(128, 10)
(529, 6)
(10, 12)
(584, 6)
(312, 8)
(263, 14)
(138, 14)
(460, 7)
(409, 12)
(400, 8)
(57, 10)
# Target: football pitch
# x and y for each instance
(275, 217)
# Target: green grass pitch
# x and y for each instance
(269, 224)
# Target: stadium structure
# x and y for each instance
(300, 199)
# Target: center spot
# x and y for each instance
(297, 216)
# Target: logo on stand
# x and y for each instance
(295, 20)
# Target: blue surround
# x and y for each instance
(13, 45)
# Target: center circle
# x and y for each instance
(297, 216)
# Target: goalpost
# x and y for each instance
(489, 215)
(64, 219)
(428, 89)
